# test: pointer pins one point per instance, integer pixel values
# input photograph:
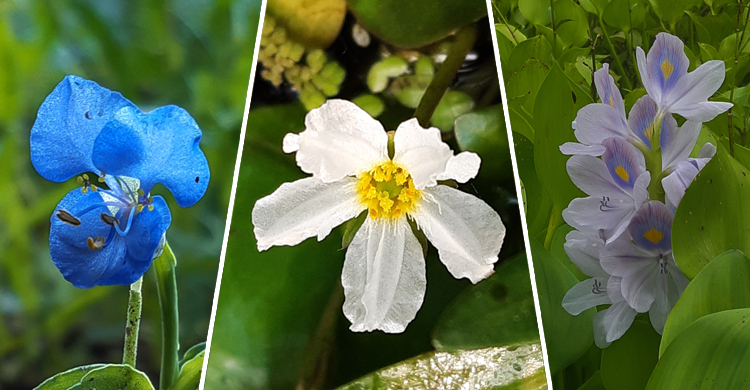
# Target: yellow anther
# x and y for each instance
(84, 190)
(94, 188)
(624, 175)
(387, 191)
(649, 131)
(666, 69)
(140, 192)
(138, 208)
(85, 177)
(101, 178)
(611, 101)
(79, 180)
(653, 235)
(150, 207)
(95, 243)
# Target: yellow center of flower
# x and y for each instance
(653, 235)
(622, 173)
(666, 69)
(388, 191)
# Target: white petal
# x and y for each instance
(614, 289)
(590, 214)
(340, 139)
(696, 87)
(461, 167)
(585, 295)
(290, 143)
(573, 148)
(653, 90)
(615, 321)
(637, 268)
(467, 232)
(702, 111)
(584, 252)
(681, 144)
(302, 209)
(421, 151)
(596, 122)
(383, 277)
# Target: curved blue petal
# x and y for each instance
(67, 124)
(80, 265)
(162, 146)
(651, 227)
(141, 242)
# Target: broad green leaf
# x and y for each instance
(594, 6)
(721, 285)
(672, 10)
(713, 216)
(411, 24)
(527, 67)
(594, 383)
(742, 154)
(537, 12)
(498, 311)
(312, 23)
(451, 106)
(68, 378)
(617, 14)
(483, 132)
(512, 367)
(537, 216)
(567, 337)
(190, 374)
(558, 250)
(554, 111)
(711, 353)
(628, 362)
(572, 24)
(192, 352)
(114, 377)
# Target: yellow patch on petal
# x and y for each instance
(653, 235)
(666, 69)
(649, 131)
(611, 101)
(387, 191)
(620, 171)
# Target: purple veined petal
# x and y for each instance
(609, 217)
(641, 119)
(592, 176)
(584, 251)
(640, 190)
(624, 162)
(651, 227)
(653, 92)
(597, 121)
(607, 90)
(612, 323)
(677, 143)
(667, 294)
(677, 182)
(574, 148)
(383, 277)
(666, 65)
(638, 270)
(690, 96)
(702, 111)
(585, 295)
(614, 289)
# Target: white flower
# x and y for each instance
(347, 153)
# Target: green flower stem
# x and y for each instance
(653, 163)
(555, 221)
(170, 334)
(613, 52)
(464, 41)
(133, 324)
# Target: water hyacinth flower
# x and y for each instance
(355, 169)
(109, 236)
(666, 79)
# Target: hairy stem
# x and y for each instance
(130, 351)
(166, 284)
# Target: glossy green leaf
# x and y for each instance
(617, 14)
(628, 362)
(572, 24)
(502, 368)
(68, 378)
(190, 374)
(313, 23)
(713, 216)
(594, 6)
(567, 337)
(192, 352)
(711, 353)
(721, 285)
(114, 377)
(594, 383)
(672, 10)
(472, 321)
(536, 12)
(394, 21)
(451, 106)
(483, 131)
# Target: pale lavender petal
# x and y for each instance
(614, 289)
(667, 66)
(612, 323)
(677, 182)
(592, 176)
(624, 162)
(597, 121)
(641, 119)
(650, 87)
(651, 227)
(574, 148)
(689, 97)
(608, 216)
(678, 143)
(585, 295)
(607, 90)
(584, 252)
(702, 111)
(637, 268)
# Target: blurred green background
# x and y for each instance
(194, 54)
(279, 322)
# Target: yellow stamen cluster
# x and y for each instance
(86, 183)
(388, 191)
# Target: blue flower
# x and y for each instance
(110, 236)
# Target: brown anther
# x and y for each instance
(96, 243)
(68, 218)
(109, 220)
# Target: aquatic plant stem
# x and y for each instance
(445, 73)
(653, 162)
(133, 324)
(618, 64)
(166, 285)
(555, 221)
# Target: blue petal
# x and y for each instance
(141, 242)
(667, 62)
(624, 162)
(122, 260)
(651, 227)
(159, 147)
(67, 124)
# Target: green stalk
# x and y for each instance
(166, 286)
(734, 75)
(555, 221)
(444, 75)
(653, 162)
(133, 324)
(613, 52)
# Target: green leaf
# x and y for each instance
(672, 10)
(567, 337)
(114, 377)
(190, 374)
(536, 12)
(712, 353)
(527, 68)
(572, 24)
(617, 14)
(628, 362)
(594, 6)
(594, 383)
(471, 321)
(483, 132)
(68, 378)
(713, 216)
(719, 286)
(411, 24)
(192, 352)
(451, 106)
(512, 367)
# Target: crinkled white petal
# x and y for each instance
(574, 148)
(585, 295)
(340, 139)
(584, 251)
(461, 167)
(383, 277)
(301, 209)
(421, 151)
(467, 232)
(612, 323)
